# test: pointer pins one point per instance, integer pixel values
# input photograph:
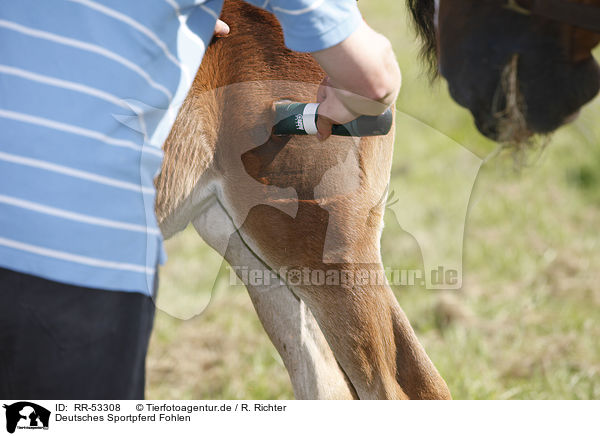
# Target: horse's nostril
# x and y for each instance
(487, 125)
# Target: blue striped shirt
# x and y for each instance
(89, 90)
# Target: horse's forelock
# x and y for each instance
(423, 16)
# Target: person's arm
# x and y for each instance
(359, 62)
(363, 78)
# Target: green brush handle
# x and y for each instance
(301, 119)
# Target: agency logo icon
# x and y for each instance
(26, 415)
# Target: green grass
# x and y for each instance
(525, 324)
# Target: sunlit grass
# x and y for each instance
(525, 323)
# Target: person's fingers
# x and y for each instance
(321, 94)
(221, 28)
(324, 125)
(323, 89)
(331, 110)
(335, 110)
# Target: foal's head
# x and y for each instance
(517, 73)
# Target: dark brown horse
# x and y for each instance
(520, 66)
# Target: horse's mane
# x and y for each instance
(423, 13)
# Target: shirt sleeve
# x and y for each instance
(313, 25)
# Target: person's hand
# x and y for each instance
(221, 29)
(363, 78)
(331, 110)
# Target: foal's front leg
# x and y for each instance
(312, 367)
(365, 327)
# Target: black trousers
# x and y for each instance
(67, 342)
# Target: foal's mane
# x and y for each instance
(423, 13)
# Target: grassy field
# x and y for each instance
(524, 325)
